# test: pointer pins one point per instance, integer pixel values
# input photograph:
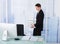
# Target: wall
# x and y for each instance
(57, 13)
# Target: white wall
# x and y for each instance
(57, 13)
(57, 8)
(1, 10)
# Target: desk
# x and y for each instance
(12, 41)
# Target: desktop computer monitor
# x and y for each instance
(20, 29)
(13, 30)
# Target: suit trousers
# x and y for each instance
(37, 31)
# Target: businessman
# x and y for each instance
(38, 27)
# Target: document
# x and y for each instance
(33, 38)
(25, 38)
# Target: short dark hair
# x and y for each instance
(38, 5)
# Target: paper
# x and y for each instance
(40, 39)
(34, 38)
(25, 38)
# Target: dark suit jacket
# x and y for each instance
(39, 20)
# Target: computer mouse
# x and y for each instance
(17, 39)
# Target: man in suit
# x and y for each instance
(39, 21)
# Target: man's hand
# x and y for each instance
(32, 26)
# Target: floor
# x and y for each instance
(53, 43)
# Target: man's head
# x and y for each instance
(38, 7)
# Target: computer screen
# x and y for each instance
(20, 30)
